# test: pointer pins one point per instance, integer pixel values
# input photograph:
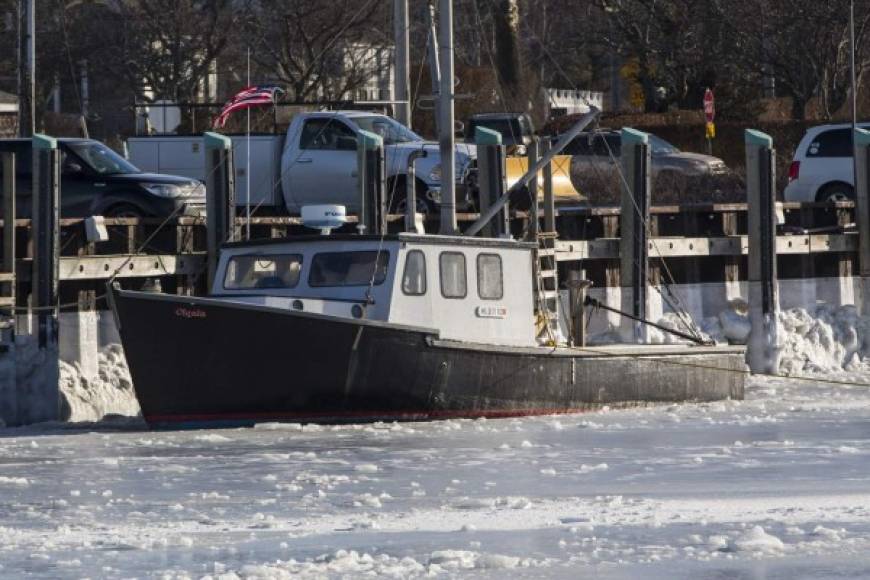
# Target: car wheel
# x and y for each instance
(124, 210)
(836, 192)
(398, 199)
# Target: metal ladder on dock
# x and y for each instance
(547, 284)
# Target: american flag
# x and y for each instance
(248, 97)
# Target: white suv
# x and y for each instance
(822, 166)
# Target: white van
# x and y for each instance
(822, 166)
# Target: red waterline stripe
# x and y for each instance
(403, 415)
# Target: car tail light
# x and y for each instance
(794, 171)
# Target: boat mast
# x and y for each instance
(446, 125)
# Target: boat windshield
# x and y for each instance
(390, 130)
(102, 159)
(259, 272)
(348, 268)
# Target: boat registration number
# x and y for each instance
(491, 312)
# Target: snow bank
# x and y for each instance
(819, 340)
(109, 393)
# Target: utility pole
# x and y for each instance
(401, 30)
(854, 92)
(434, 63)
(27, 70)
(446, 125)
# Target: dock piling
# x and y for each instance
(220, 201)
(371, 179)
(762, 354)
(862, 212)
(634, 216)
(490, 178)
(39, 397)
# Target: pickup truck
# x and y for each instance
(316, 162)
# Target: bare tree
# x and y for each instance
(320, 49)
(168, 47)
(803, 44)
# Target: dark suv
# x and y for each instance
(97, 181)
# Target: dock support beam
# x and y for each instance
(763, 352)
(221, 202)
(862, 213)
(371, 179)
(491, 179)
(634, 217)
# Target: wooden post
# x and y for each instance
(9, 193)
(371, 177)
(220, 200)
(534, 222)
(577, 287)
(8, 370)
(862, 213)
(762, 354)
(549, 198)
(490, 178)
(634, 216)
(41, 402)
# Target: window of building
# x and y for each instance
(348, 268)
(414, 276)
(258, 272)
(453, 278)
(490, 282)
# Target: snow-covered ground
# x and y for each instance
(776, 486)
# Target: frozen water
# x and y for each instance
(772, 487)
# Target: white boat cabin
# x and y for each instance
(468, 289)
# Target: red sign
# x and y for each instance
(709, 106)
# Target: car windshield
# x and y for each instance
(102, 159)
(661, 147)
(391, 131)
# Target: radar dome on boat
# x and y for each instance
(324, 217)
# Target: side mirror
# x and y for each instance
(345, 143)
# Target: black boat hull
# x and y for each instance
(197, 361)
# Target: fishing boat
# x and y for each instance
(391, 327)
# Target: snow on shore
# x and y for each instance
(109, 393)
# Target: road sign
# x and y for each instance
(709, 106)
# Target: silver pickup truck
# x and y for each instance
(315, 162)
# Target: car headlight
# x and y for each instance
(171, 190)
(435, 174)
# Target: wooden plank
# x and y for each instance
(676, 247)
(103, 267)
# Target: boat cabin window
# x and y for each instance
(348, 268)
(453, 280)
(253, 272)
(490, 285)
(414, 276)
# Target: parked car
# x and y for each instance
(601, 150)
(823, 164)
(316, 162)
(97, 181)
(516, 129)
